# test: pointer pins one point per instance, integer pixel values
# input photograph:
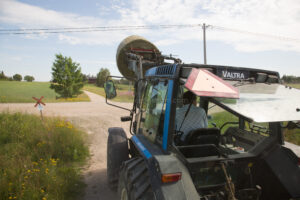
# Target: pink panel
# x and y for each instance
(210, 85)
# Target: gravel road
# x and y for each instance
(95, 118)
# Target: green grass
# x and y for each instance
(121, 97)
(292, 136)
(220, 118)
(22, 92)
(294, 85)
(40, 160)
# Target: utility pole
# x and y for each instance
(204, 42)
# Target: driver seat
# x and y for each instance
(203, 136)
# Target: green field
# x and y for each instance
(123, 94)
(40, 160)
(294, 85)
(22, 92)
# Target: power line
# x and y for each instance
(91, 29)
(33, 31)
(255, 33)
(105, 27)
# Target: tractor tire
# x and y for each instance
(117, 153)
(134, 181)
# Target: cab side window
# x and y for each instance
(153, 109)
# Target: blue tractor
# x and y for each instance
(239, 155)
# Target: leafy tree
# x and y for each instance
(17, 77)
(101, 76)
(84, 78)
(67, 79)
(29, 78)
(2, 76)
(290, 79)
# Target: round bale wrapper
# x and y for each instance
(126, 46)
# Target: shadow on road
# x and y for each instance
(99, 188)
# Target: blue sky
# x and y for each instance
(34, 54)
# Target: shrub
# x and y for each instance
(29, 78)
(17, 77)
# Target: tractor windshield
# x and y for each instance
(262, 102)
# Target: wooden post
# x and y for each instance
(39, 104)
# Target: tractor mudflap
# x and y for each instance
(279, 174)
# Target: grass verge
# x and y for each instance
(40, 160)
(22, 92)
(123, 95)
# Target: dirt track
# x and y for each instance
(95, 118)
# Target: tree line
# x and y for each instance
(290, 79)
(16, 77)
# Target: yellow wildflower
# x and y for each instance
(35, 163)
(69, 125)
(47, 171)
(28, 171)
(44, 198)
(53, 161)
(42, 191)
(60, 124)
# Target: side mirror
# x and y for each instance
(110, 89)
(110, 92)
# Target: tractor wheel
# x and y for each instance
(134, 181)
(117, 153)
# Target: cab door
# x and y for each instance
(151, 123)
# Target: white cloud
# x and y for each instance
(276, 17)
(166, 42)
(99, 62)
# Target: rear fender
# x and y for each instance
(182, 189)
